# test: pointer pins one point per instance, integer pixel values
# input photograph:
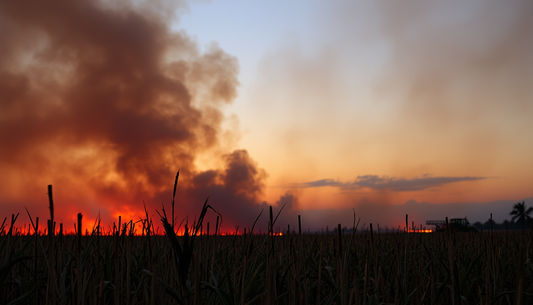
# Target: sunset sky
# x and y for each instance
(383, 107)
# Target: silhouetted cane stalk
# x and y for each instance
(184, 252)
(51, 254)
(174, 196)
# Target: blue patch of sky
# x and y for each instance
(247, 29)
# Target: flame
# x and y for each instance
(420, 231)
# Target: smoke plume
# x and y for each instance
(106, 103)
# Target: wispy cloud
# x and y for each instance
(388, 183)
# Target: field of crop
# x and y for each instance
(296, 268)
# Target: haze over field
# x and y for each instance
(384, 107)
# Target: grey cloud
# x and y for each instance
(375, 182)
(319, 183)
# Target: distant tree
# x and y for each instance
(520, 214)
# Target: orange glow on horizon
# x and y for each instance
(87, 230)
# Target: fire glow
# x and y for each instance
(27, 230)
(420, 231)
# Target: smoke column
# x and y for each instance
(106, 103)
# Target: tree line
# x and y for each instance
(521, 220)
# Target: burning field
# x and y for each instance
(133, 263)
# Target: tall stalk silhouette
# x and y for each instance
(184, 251)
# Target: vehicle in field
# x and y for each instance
(455, 224)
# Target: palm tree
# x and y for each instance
(521, 214)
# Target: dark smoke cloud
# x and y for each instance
(105, 102)
(389, 183)
(232, 191)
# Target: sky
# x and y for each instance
(379, 107)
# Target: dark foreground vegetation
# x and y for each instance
(355, 268)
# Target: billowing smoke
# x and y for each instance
(106, 103)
